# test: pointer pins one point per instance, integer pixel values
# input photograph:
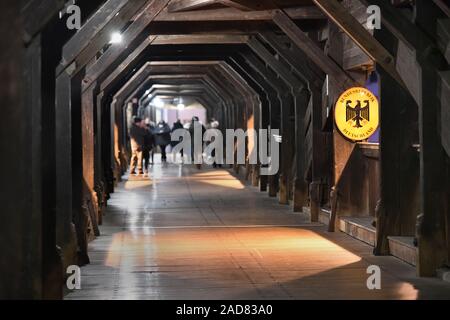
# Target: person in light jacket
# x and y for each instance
(137, 138)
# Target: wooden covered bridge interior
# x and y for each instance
(282, 64)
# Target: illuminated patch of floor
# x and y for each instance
(204, 235)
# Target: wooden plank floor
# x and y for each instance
(202, 234)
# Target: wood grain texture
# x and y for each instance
(351, 26)
(445, 111)
(134, 30)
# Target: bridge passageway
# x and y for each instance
(204, 234)
(344, 104)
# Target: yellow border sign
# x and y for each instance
(357, 114)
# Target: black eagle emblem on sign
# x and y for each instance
(358, 113)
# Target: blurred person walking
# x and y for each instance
(196, 150)
(177, 126)
(162, 138)
(149, 143)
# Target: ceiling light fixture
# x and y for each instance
(116, 38)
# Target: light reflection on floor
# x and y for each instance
(186, 235)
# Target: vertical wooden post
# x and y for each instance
(265, 120)
(300, 192)
(65, 233)
(286, 149)
(88, 108)
(115, 142)
(87, 125)
(33, 101)
(99, 135)
(20, 266)
(432, 243)
(319, 154)
(273, 181)
(399, 166)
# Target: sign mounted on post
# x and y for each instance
(357, 114)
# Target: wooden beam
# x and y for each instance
(313, 51)
(261, 68)
(65, 236)
(36, 14)
(433, 250)
(297, 59)
(255, 77)
(200, 39)
(169, 94)
(276, 65)
(300, 185)
(443, 6)
(180, 39)
(176, 92)
(233, 14)
(88, 150)
(246, 5)
(136, 28)
(443, 36)
(21, 131)
(267, 97)
(340, 79)
(224, 81)
(299, 91)
(197, 90)
(34, 103)
(286, 74)
(422, 65)
(139, 77)
(177, 86)
(351, 26)
(127, 62)
(101, 166)
(96, 32)
(90, 29)
(399, 25)
(186, 5)
(249, 5)
(445, 109)
(412, 39)
(399, 179)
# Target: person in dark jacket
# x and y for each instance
(196, 155)
(177, 126)
(149, 143)
(137, 137)
(162, 138)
